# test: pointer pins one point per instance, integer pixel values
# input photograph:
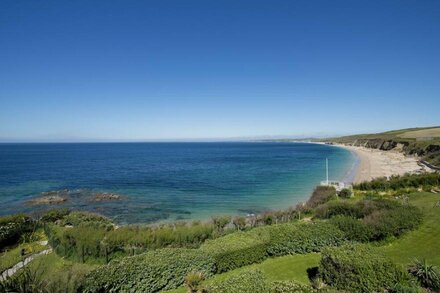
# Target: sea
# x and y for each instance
(161, 181)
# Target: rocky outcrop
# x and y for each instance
(104, 196)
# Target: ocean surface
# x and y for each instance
(168, 181)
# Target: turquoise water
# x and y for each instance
(168, 181)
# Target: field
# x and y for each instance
(424, 133)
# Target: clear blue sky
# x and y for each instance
(133, 70)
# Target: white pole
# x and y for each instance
(326, 169)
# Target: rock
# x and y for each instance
(48, 198)
(105, 196)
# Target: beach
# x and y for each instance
(374, 163)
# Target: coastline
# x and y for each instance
(374, 163)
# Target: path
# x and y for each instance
(21, 264)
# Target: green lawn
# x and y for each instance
(425, 241)
(290, 267)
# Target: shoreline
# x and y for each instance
(374, 163)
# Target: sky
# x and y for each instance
(171, 69)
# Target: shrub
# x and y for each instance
(162, 269)
(239, 223)
(290, 287)
(428, 275)
(194, 281)
(358, 268)
(331, 209)
(87, 219)
(345, 193)
(251, 281)
(54, 215)
(12, 227)
(236, 250)
(293, 238)
(393, 222)
(221, 222)
(320, 195)
(354, 229)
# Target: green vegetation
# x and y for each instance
(251, 281)
(236, 250)
(150, 272)
(358, 268)
(320, 195)
(301, 237)
(413, 181)
(11, 257)
(12, 228)
(427, 274)
(423, 243)
(272, 252)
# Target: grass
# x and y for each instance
(423, 243)
(431, 132)
(290, 267)
(10, 257)
(57, 272)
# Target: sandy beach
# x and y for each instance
(375, 163)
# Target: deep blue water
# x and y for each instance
(167, 181)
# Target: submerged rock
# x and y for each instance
(105, 196)
(48, 198)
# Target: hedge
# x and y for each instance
(359, 268)
(162, 269)
(354, 229)
(236, 250)
(300, 237)
(251, 281)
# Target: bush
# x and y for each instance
(162, 269)
(393, 222)
(12, 227)
(331, 209)
(236, 250)
(358, 268)
(251, 281)
(54, 215)
(428, 275)
(299, 237)
(345, 193)
(290, 287)
(320, 195)
(101, 241)
(354, 229)
(87, 219)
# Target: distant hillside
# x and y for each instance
(424, 142)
